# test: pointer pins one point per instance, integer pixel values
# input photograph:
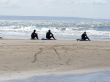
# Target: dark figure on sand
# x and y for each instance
(49, 35)
(34, 35)
(84, 37)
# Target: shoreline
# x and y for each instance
(57, 38)
(29, 74)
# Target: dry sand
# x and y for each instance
(52, 56)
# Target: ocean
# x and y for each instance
(101, 76)
(63, 28)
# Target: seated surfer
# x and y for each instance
(84, 37)
(34, 35)
(49, 35)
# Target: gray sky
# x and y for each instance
(69, 8)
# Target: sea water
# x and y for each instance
(63, 28)
(101, 76)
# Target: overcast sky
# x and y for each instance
(68, 8)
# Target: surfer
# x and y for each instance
(84, 37)
(49, 35)
(34, 35)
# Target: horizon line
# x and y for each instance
(54, 17)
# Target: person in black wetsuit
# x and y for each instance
(49, 35)
(34, 35)
(84, 37)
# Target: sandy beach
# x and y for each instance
(17, 56)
